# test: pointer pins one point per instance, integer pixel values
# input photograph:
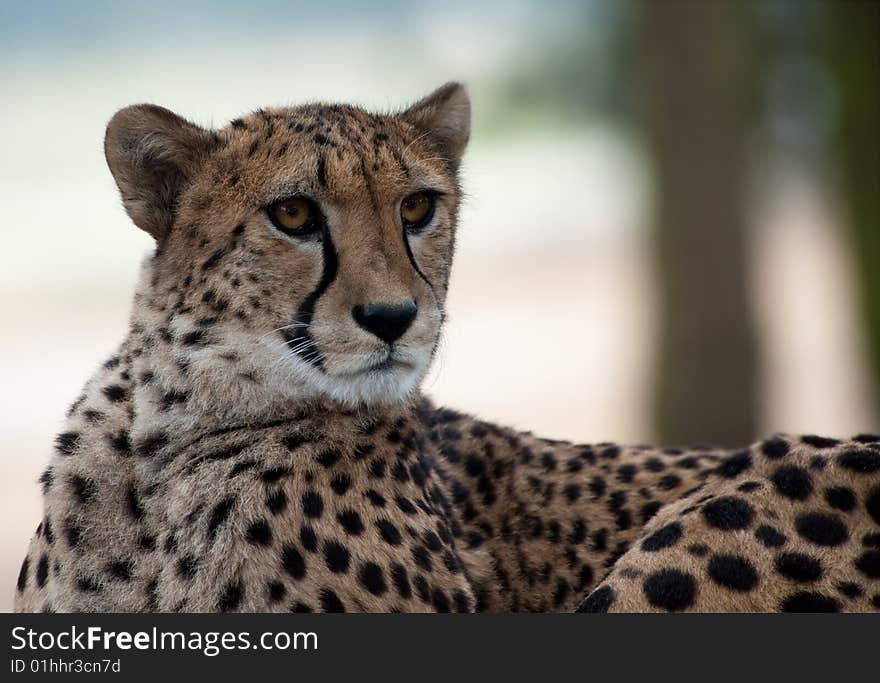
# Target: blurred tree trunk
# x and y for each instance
(854, 51)
(696, 58)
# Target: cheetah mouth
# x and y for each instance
(386, 363)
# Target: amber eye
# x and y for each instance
(296, 216)
(416, 210)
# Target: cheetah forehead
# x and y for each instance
(170, 170)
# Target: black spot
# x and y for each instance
(147, 542)
(186, 567)
(322, 170)
(793, 482)
(115, 393)
(84, 489)
(377, 468)
(803, 601)
(440, 601)
(259, 533)
(120, 443)
(668, 482)
(390, 534)
(308, 538)
(276, 501)
(626, 473)
(840, 498)
(799, 567)
(330, 602)
(293, 562)
(312, 504)
(231, 596)
(72, 533)
(610, 452)
(46, 479)
(733, 572)
(572, 492)
(819, 441)
(94, 416)
(276, 591)
(340, 484)
(219, 514)
(154, 442)
(850, 590)
(133, 503)
(775, 448)
(872, 504)
(650, 509)
(42, 572)
(293, 441)
(664, 537)
(421, 558)
(863, 461)
(748, 486)
(351, 522)
(821, 529)
(23, 574)
(670, 589)
(432, 541)
(599, 540)
(728, 513)
(372, 578)
(869, 563)
(171, 398)
(375, 498)
(194, 338)
(67, 442)
(421, 585)
(329, 458)
(401, 580)
(600, 600)
(654, 465)
(735, 465)
(272, 475)
(769, 537)
(337, 557)
(698, 549)
(214, 259)
(405, 506)
(88, 584)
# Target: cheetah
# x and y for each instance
(259, 442)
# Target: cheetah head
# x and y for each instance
(310, 244)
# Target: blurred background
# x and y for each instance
(672, 231)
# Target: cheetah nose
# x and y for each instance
(386, 321)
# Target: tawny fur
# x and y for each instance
(217, 463)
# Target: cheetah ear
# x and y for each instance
(151, 153)
(446, 115)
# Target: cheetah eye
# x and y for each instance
(297, 216)
(416, 210)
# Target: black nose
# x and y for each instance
(386, 321)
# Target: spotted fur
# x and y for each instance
(252, 447)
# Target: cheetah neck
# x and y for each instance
(187, 382)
